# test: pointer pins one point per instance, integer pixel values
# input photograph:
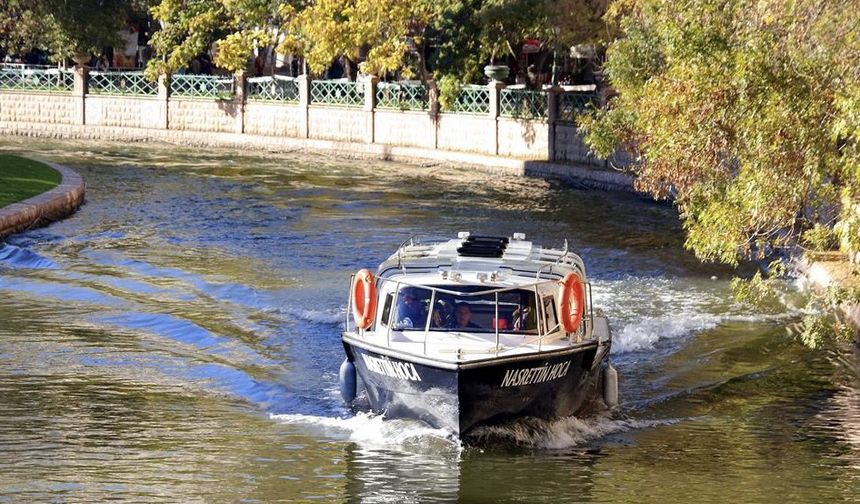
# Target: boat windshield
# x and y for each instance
(469, 313)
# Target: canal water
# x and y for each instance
(177, 340)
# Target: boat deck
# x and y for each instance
(463, 346)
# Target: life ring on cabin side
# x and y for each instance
(571, 302)
(363, 298)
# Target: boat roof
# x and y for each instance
(471, 256)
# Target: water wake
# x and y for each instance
(645, 333)
(374, 431)
(558, 434)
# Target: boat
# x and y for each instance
(477, 330)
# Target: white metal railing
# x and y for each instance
(586, 325)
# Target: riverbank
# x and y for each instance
(579, 175)
(22, 178)
(40, 209)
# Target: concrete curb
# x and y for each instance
(582, 176)
(45, 208)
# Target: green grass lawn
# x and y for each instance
(22, 178)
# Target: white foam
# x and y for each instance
(563, 433)
(374, 431)
(644, 311)
(644, 334)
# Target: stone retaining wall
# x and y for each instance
(45, 208)
(204, 115)
(132, 112)
(524, 139)
(39, 107)
(547, 139)
(338, 123)
(466, 133)
(272, 119)
(405, 128)
(582, 176)
(271, 125)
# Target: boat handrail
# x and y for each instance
(467, 293)
(586, 325)
(410, 241)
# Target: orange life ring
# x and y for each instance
(571, 302)
(363, 298)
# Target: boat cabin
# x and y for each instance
(477, 297)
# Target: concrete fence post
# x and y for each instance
(495, 88)
(239, 101)
(304, 84)
(79, 91)
(163, 99)
(553, 95)
(370, 82)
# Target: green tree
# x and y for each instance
(65, 28)
(506, 24)
(744, 112)
(386, 33)
(236, 27)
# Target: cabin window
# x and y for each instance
(386, 308)
(550, 315)
(412, 308)
(516, 311)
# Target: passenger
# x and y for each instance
(463, 314)
(524, 319)
(441, 316)
(410, 311)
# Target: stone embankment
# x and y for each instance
(47, 207)
(498, 129)
(578, 175)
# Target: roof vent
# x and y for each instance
(519, 236)
(483, 246)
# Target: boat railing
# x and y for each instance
(417, 239)
(542, 332)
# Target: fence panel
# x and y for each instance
(25, 78)
(337, 92)
(523, 104)
(473, 100)
(121, 83)
(572, 104)
(274, 88)
(402, 96)
(201, 86)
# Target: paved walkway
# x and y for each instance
(45, 208)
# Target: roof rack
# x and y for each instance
(483, 246)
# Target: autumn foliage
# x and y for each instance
(744, 113)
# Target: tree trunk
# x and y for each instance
(427, 80)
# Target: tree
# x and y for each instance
(386, 32)
(506, 24)
(65, 28)
(236, 27)
(743, 112)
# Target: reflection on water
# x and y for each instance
(177, 340)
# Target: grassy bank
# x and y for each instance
(23, 178)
